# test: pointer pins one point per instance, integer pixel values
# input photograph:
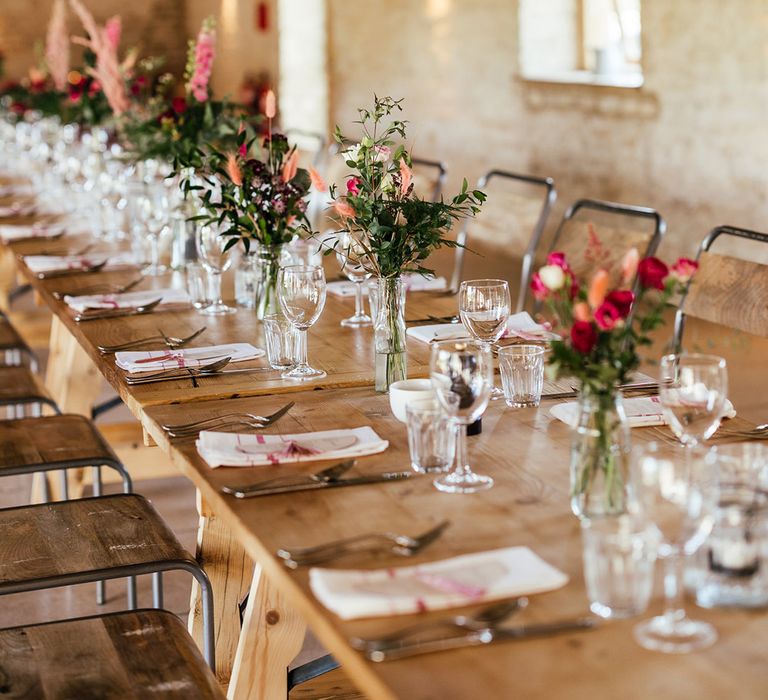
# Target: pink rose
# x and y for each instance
(558, 259)
(607, 316)
(683, 270)
(539, 289)
(353, 185)
(382, 153)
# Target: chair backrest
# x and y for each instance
(595, 234)
(428, 178)
(508, 228)
(726, 290)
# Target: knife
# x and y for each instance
(490, 635)
(318, 485)
(331, 473)
(198, 375)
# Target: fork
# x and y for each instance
(215, 419)
(265, 422)
(98, 314)
(170, 341)
(401, 545)
(106, 289)
(182, 372)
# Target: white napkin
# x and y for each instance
(642, 412)
(518, 326)
(240, 450)
(464, 580)
(17, 233)
(17, 189)
(16, 210)
(121, 301)
(412, 282)
(135, 362)
(53, 263)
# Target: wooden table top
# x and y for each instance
(527, 454)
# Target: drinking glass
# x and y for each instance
(484, 307)
(301, 291)
(154, 213)
(351, 256)
(522, 374)
(430, 436)
(462, 375)
(280, 337)
(197, 285)
(678, 493)
(693, 391)
(216, 261)
(619, 556)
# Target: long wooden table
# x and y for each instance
(525, 451)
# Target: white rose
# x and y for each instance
(552, 276)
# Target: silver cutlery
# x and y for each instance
(489, 616)
(400, 545)
(180, 372)
(171, 342)
(490, 635)
(324, 475)
(308, 485)
(228, 421)
(196, 374)
(99, 314)
(100, 289)
(53, 274)
(434, 319)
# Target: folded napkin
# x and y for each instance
(18, 233)
(518, 326)
(412, 282)
(121, 301)
(17, 189)
(464, 580)
(155, 360)
(54, 263)
(12, 210)
(642, 412)
(240, 450)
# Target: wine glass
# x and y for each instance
(693, 391)
(462, 376)
(484, 307)
(678, 493)
(154, 213)
(216, 260)
(301, 292)
(352, 257)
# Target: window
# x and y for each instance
(596, 42)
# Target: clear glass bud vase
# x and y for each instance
(391, 362)
(268, 258)
(600, 446)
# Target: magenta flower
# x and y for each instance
(205, 51)
(353, 185)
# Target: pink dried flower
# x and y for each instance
(291, 166)
(233, 170)
(317, 180)
(344, 210)
(270, 105)
(406, 176)
(57, 46)
(598, 288)
(629, 265)
(205, 51)
(113, 29)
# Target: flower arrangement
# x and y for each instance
(603, 327)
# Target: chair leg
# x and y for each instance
(101, 586)
(64, 484)
(157, 589)
(206, 597)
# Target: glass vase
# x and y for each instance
(390, 360)
(268, 262)
(600, 446)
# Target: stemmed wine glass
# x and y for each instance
(693, 392)
(301, 292)
(484, 307)
(154, 213)
(216, 261)
(462, 376)
(351, 257)
(678, 493)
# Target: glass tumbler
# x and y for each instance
(431, 437)
(522, 374)
(619, 556)
(281, 340)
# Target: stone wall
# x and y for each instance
(692, 142)
(157, 27)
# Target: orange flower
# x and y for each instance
(344, 210)
(581, 312)
(233, 170)
(290, 166)
(629, 265)
(406, 175)
(598, 288)
(317, 180)
(270, 105)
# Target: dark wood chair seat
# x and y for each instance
(13, 347)
(21, 386)
(128, 655)
(92, 539)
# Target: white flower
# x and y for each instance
(351, 153)
(552, 276)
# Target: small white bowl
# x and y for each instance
(406, 391)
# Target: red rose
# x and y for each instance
(558, 259)
(621, 300)
(583, 337)
(652, 272)
(606, 316)
(179, 105)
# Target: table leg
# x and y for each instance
(230, 570)
(7, 277)
(272, 636)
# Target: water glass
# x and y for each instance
(281, 341)
(197, 285)
(619, 556)
(431, 437)
(522, 374)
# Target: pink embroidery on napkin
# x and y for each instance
(421, 605)
(449, 585)
(291, 449)
(260, 439)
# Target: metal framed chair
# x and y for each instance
(94, 539)
(727, 290)
(22, 392)
(509, 225)
(13, 348)
(428, 178)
